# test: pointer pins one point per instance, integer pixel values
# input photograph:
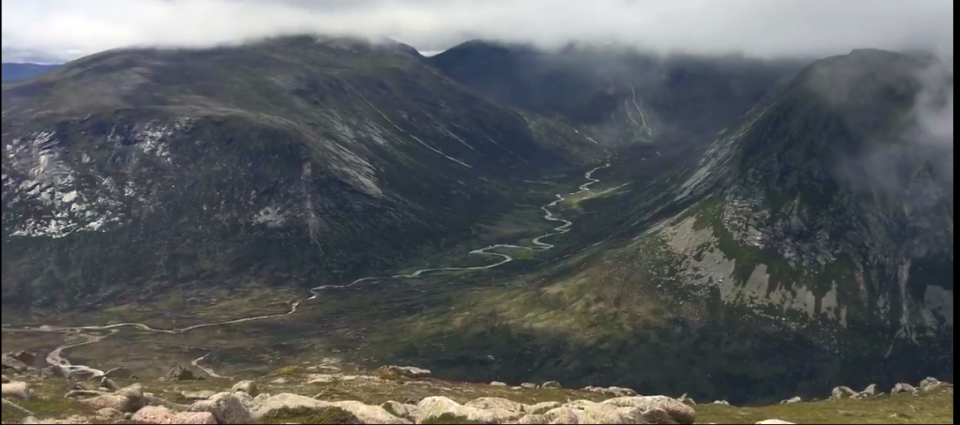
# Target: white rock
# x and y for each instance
(16, 389)
(152, 415)
(484, 403)
(774, 421)
(432, 407)
(406, 411)
(498, 384)
(370, 414)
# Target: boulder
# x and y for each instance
(16, 389)
(687, 400)
(484, 403)
(248, 387)
(551, 385)
(621, 392)
(192, 418)
(11, 364)
(401, 410)
(109, 413)
(528, 385)
(903, 388)
(197, 395)
(227, 408)
(870, 391)
(152, 415)
(609, 414)
(370, 414)
(721, 402)
(563, 415)
(792, 400)
(268, 405)
(774, 421)
(128, 399)
(498, 384)
(929, 383)
(391, 372)
(841, 392)
(180, 373)
(118, 373)
(542, 407)
(433, 407)
(680, 412)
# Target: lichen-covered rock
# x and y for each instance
(248, 387)
(152, 415)
(227, 408)
(541, 407)
(870, 391)
(401, 410)
(528, 385)
(108, 413)
(270, 405)
(206, 418)
(498, 384)
(433, 407)
(680, 412)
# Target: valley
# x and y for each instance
(673, 225)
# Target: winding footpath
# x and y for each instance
(56, 359)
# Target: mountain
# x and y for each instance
(763, 229)
(812, 243)
(293, 160)
(618, 92)
(24, 71)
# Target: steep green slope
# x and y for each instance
(290, 161)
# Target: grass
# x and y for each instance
(328, 415)
(929, 408)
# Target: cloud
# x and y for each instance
(753, 27)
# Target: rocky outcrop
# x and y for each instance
(248, 387)
(792, 400)
(393, 373)
(903, 388)
(841, 392)
(611, 391)
(153, 415)
(129, 399)
(226, 407)
(435, 407)
(550, 385)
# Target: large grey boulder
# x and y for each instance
(227, 407)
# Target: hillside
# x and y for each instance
(286, 161)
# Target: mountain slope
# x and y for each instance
(24, 71)
(782, 262)
(623, 95)
(291, 161)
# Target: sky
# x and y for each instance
(55, 30)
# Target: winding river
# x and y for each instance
(56, 359)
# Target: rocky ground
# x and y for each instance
(332, 392)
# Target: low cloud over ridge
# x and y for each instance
(68, 28)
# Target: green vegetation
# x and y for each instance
(935, 407)
(328, 415)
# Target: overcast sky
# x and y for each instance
(64, 29)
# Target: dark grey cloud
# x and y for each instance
(754, 27)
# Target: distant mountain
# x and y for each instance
(620, 93)
(296, 160)
(24, 71)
